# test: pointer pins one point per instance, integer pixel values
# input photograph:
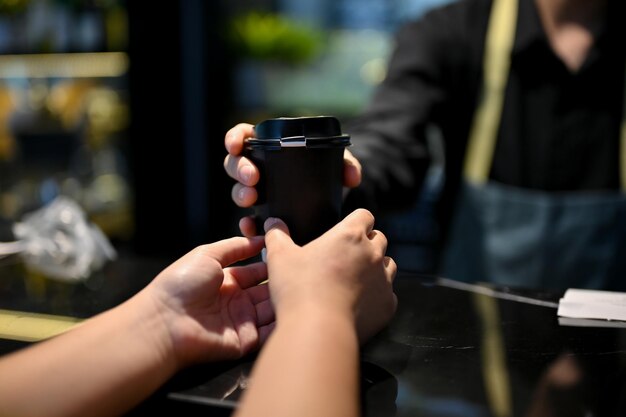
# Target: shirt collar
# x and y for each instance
(529, 28)
(614, 32)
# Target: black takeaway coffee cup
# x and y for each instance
(300, 160)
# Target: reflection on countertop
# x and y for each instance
(462, 350)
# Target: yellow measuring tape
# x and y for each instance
(496, 64)
(32, 327)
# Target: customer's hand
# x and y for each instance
(247, 174)
(344, 271)
(212, 311)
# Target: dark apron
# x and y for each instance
(519, 237)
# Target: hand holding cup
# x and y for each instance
(247, 174)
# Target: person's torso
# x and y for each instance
(559, 131)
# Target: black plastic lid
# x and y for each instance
(315, 131)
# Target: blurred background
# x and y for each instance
(123, 106)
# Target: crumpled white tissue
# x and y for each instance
(59, 241)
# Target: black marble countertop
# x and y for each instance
(451, 350)
(464, 350)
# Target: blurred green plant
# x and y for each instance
(8, 7)
(273, 37)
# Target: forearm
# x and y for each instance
(103, 367)
(308, 368)
(394, 163)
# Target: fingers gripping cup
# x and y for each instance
(301, 165)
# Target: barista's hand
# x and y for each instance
(247, 175)
(239, 167)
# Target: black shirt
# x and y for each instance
(559, 130)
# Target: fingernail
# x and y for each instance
(241, 194)
(269, 223)
(245, 173)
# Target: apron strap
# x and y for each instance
(622, 142)
(496, 64)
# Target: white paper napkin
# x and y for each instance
(593, 304)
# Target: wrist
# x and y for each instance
(333, 300)
(153, 323)
(313, 314)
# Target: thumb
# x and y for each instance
(276, 235)
(229, 251)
